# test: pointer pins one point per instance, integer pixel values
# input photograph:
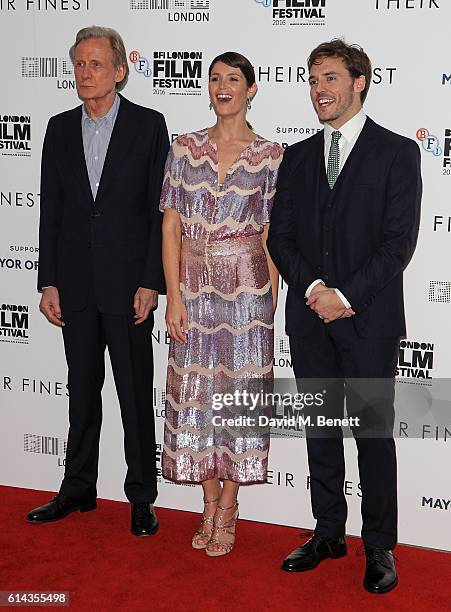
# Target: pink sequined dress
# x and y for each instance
(225, 285)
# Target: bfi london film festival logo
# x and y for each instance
(58, 68)
(179, 73)
(14, 323)
(46, 445)
(415, 361)
(282, 355)
(176, 10)
(440, 291)
(159, 402)
(45, 6)
(296, 12)
(15, 135)
(430, 143)
(20, 257)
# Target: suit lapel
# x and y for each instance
(122, 137)
(315, 170)
(76, 154)
(321, 178)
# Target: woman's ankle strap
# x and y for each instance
(235, 505)
(211, 501)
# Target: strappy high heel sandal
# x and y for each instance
(203, 534)
(223, 536)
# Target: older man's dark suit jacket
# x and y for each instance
(114, 243)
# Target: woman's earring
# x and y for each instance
(211, 104)
(248, 104)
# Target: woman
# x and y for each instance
(221, 295)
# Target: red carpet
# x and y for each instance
(96, 559)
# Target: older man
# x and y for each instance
(100, 268)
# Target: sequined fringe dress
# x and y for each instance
(226, 289)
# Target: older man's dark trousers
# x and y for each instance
(86, 335)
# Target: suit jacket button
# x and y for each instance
(326, 277)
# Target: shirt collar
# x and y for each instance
(110, 117)
(350, 129)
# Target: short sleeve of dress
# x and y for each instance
(172, 189)
(275, 154)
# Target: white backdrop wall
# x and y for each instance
(407, 41)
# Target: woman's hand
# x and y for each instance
(177, 320)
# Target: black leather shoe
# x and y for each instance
(309, 555)
(144, 519)
(380, 574)
(59, 508)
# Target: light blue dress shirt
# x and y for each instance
(96, 138)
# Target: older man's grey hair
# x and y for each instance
(117, 45)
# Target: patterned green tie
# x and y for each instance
(333, 163)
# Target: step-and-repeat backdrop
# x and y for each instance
(170, 44)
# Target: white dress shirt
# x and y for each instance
(350, 131)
